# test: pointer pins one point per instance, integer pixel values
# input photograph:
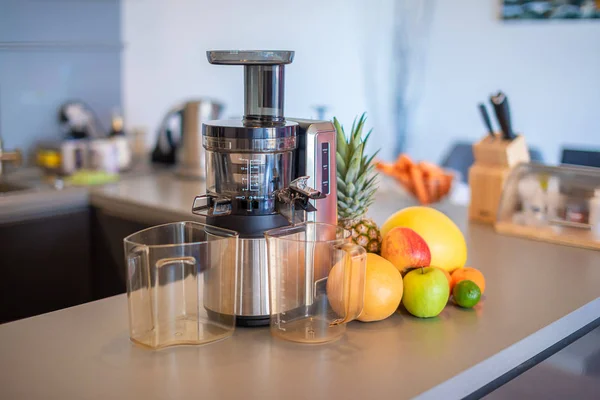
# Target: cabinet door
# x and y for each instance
(44, 265)
(108, 256)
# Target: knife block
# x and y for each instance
(494, 159)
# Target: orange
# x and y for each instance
(382, 290)
(468, 273)
(447, 277)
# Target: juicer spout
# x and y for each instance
(298, 194)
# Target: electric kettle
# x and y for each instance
(180, 137)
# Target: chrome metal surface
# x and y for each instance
(209, 205)
(252, 290)
(319, 162)
(236, 129)
(190, 152)
(254, 145)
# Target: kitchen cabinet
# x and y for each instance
(108, 259)
(45, 264)
(108, 229)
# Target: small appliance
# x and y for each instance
(179, 139)
(263, 172)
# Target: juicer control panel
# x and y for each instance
(325, 176)
(316, 159)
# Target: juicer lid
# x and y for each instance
(263, 82)
(246, 57)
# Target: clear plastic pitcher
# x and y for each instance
(173, 271)
(316, 281)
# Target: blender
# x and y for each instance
(264, 172)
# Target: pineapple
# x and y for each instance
(356, 186)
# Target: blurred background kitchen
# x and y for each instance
(92, 90)
(418, 68)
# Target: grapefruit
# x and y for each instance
(446, 242)
(383, 289)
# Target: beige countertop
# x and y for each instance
(537, 294)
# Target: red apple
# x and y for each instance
(406, 249)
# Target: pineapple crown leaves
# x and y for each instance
(355, 179)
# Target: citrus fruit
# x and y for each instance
(466, 293)
(471, 274)
(345, 300)
(448, 278)
(446, 242)
(425, 292)
(383, 289)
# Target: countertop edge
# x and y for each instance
(41, 203)
(138, 212)
(479, 375)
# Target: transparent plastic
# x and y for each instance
(316, 281)
(249, 179)
(173, 271)
(549, 203)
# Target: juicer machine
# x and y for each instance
(263, 172)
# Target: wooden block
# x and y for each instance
(487, 184)
(494, 159)
(501, 153)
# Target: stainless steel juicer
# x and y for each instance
(264, 172)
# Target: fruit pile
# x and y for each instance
(422, 266)
(423, 253)
(426, 181)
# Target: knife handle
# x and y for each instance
(502, 110)
(486, 119)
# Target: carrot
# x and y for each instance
(433, 188)
(386, 168)
(445, 184)
(429, 169)
(404, 162)
(417, 179)
(404, 179)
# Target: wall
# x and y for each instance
(165, 60)
(343, 59)
(550, 71)
(51, 52)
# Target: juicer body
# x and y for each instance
(264, 172)
(314, 157)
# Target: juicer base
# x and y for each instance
(247, 321)
(252, 322)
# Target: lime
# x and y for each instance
(466, 293)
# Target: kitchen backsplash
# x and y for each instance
(52, 52)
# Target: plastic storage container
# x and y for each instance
(316, 281)
(173, 271)
(553, 204)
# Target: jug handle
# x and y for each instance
(355, 269)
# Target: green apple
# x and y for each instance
(425, 292)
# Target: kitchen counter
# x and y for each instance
(537, 294)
